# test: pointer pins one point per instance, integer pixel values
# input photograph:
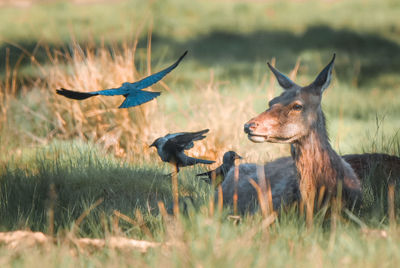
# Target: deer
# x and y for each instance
(282, 180)
(281, 175)
(295, 117)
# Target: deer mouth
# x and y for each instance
(257, 138)
(264, 138)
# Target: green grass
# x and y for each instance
(81, 174)
(247, 36)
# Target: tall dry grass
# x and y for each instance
(8, 91)
(124, 132)
(127, 132)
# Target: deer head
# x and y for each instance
(294, 113)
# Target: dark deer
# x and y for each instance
(281, 176)
(295, 117)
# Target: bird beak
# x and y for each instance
(151, 145)
(238, 157)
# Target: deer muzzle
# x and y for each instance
(250, 128)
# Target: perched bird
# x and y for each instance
(228, 161)
(171, 148)
(133, 93)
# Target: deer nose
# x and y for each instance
(250, 127)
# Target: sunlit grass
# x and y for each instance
(64, 156)
(83, 174)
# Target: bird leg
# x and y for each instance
(175, 172)
(175, 191)
(213, 178)
(176, 168)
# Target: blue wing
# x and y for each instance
(138, 97)
(112, 91)
(130, 90)
(78, 95)
(154, 78)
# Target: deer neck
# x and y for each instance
(316, 162)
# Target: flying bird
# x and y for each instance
(228, 161)
(133, 93)
(171, 148)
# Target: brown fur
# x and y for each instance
(384, 165)
(281, 174)
(296, 117)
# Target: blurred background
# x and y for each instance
(224, 81)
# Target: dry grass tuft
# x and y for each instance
(124, 132)
(120, 131)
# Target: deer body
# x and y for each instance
(280, 175)
(296, 117)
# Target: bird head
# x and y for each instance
(155, 143)
(230, 157)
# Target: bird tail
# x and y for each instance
(191, 161)
(76, 95)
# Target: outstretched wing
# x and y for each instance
(178, 142)
(154, 78)
(138, 97)
(76, 95)
(125, 89)
(184, 140)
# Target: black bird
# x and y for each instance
(133, 93)
(171, 148)
(228, 161)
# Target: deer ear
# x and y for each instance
(283, 80)
(324, 78)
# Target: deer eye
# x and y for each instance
(297, 107)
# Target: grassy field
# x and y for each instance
(59, 158)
